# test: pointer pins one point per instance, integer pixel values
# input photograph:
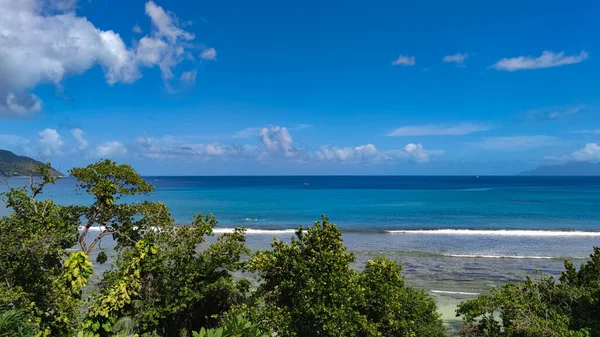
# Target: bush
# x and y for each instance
(539, 307)
(308, 289)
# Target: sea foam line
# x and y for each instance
(501, 256)
(501, 232)
(454, 292)
(219, 230)
(252, 231)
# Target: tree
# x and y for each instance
(165, 283)
(397, 309)
(308, 289)
(109, 183)
(539, 307)
(37, 277)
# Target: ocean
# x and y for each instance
(456, 236)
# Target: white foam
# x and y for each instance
(252, 231)
(501, 256)
(220, 230)
(454, 292)
(501, 232)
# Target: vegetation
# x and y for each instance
(13, 165)
(178, 280)
(569, 306)
(308, 289)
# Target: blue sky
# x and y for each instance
(312, 87)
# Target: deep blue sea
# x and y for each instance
(456, 236)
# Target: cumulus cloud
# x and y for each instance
(404, 60)
(41, 46)
(77, 134)
(458, 58)
(517, 143)
(370, 154)
(277, 140)
(348, 154)
(110, 150)
(50, 142)
(590, 152)
(209, 54)
(548, 59)
(439, 130)
(417, 153)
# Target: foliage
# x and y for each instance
(308, 289)
(542, 307)
(36, 279)
(14, 323)
(109, 183)
(166, 284)
(396, 309)
(236, 326)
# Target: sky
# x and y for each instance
(309, 87)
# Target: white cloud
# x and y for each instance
(439, 130)
(458, 58)
(136, 29)
(348, 154)
(417, 153)
(277, 140)
(188, 76)
(404, 60)
(110, 150)
(590, 152)
(82, 143)
(517, 143)
(548, 59)
(209, 54)
(50, 142)
(40, 46)
(370, 154)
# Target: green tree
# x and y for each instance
(539, 307)
(37, 277)
(108, 183)
(397, 309)
(173, 280)
(308, 289)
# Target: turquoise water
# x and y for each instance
(456, 236)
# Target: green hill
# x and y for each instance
(12, 165)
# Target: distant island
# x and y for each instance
(569, 169)
(12, 165)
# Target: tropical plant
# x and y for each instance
(167, 284)
(539, 306)
(308, 289)
(236, 326)
(14, 323)
(37, 277)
